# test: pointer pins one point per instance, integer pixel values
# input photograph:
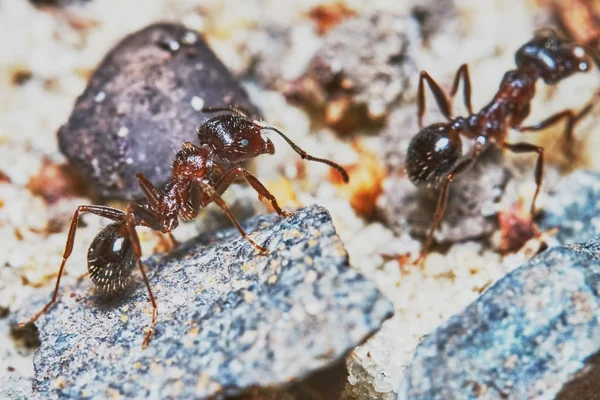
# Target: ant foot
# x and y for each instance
(261, 250)
(148, 338)
(285, 214)
(420, 262)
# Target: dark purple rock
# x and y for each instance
(142, 102)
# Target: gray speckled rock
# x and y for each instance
(524, 338)
(229, 319)
(142, 102)
(472, 202)
(15, 388)
(573, 208)
(362, 69)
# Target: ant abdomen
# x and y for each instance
(111, 259)
(431, 155)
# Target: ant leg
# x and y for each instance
(305, 155)
(539, 166)
(571, 117)
(440, 209)
(133, 216)
(440, 98)
(262, 191)
(174, 242)
(106, 212)
(151, 192)
(463, 72)
(214, 196)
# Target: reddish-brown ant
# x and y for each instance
(434, 157)
(197, 181)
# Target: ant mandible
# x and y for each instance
(197, 180)
(434, 157)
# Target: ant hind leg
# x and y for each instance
(106, 212)
(135, 213)
(440, 209)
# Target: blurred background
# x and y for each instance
(340, 79)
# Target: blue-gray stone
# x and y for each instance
(573, 208)
(524, 338)
(229, 319)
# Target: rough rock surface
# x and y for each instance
(362, 69)
(229, 319)
(573, 208)
(142, 102)
(15, 388)
(472, 202)
(524, 338)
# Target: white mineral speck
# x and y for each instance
(123, 132)
(173, 45)
(189, 38)
(99, 98)
(129, 160)
(197, 103)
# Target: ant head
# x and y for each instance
(111, 259)
(191, 161)
(431, 155)
(553, 57)
(234, 138)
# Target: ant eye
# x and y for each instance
(244, 142)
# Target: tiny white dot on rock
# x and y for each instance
(123, 132)
(173, 45)
(197, 103)
(189, 38)
(100, 96)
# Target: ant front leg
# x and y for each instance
(135, 214)
(107, 212)
(570, 116)
(463, 72)
(539, 165)
(440, 209)
(440, 98)
(262, 191)
(213, 195)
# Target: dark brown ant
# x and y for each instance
(434, 157)
(197, 181)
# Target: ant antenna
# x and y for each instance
(307, 156)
